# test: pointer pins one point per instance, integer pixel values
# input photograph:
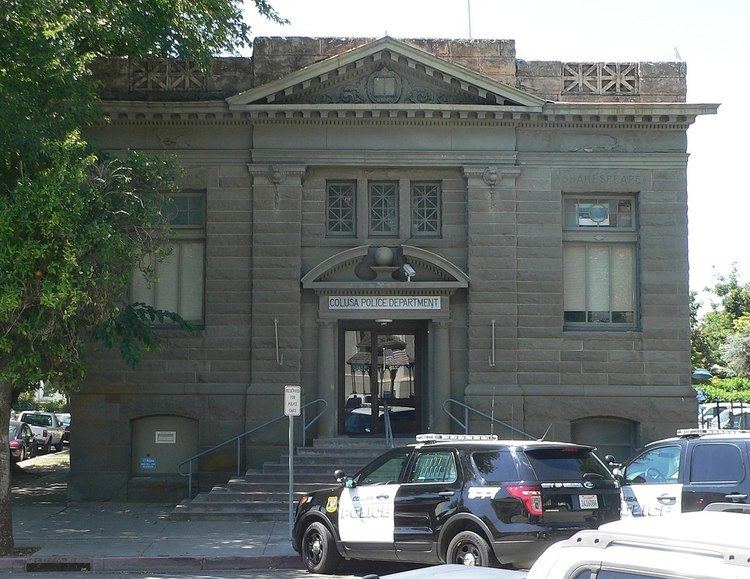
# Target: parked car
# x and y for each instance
(64, 419)
(687, 473)
(47, 429)
(469, 500)
(705, 545)
(21, 441)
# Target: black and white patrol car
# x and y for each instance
(471, 500)
(687, 473)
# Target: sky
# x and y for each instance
(711, 36)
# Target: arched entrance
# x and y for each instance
(397, 298)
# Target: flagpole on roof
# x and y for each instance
(468, 6)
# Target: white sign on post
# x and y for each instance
(292, 408)
(292, 400)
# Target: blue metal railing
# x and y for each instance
(467, 409)
(240, 437)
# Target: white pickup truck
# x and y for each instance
(48, 430)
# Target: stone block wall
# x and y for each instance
(201, 375)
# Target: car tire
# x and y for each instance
(469, 548)
(318, 549)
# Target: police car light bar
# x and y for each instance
(454, 437)
(704, 431)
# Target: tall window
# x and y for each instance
(341, 209)
(599, 261)
(383, 208)
(425, 209)
(178, 283)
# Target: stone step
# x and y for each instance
(225, 495)
(370, 443)
(201, 502)
(317, 476)
(244, 485)
(367, 454)
(273, 468)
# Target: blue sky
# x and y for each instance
(710, 35)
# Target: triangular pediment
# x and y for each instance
(386, 71)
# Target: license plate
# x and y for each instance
(588, 501)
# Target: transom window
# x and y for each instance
(383, 208)
(600, 261)
(341, 209)
(425, 209)
(178, 280)
(611, 213)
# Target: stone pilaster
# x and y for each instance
(276, 294)
(492, 260)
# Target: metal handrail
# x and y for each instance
(239, 437)
(465, 424)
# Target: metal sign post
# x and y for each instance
(292, 408)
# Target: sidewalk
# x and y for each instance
(139, 536)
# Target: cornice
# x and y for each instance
(664, 116)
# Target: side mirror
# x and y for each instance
(611, 462)
(619, 474)
(339, 475)
(349, 482)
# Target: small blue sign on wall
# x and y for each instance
(147, 463)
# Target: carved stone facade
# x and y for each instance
(326, 166)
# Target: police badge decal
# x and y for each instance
(332, 505)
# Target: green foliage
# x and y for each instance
(726, 390)
(736, 351)
(74, 230)
(730, 314)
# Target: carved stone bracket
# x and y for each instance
(276, 176)
(493, 177)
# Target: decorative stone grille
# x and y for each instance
(383, 208)
(425, 209)
(600, 78)
(340, 209)
(166, 74)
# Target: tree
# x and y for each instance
(736, 352)
(72, 223)
(710, 333)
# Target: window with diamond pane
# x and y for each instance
(341, 209)
(425, 209)
(383, 209)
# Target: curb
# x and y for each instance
(188, 563)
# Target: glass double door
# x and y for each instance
(381, 377)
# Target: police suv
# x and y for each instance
(686, 473)
(469, 500)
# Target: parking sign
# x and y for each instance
(292, 400)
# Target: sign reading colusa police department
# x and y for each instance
(384, 302)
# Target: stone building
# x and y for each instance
(511, 235)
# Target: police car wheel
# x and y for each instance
(468, 548)
(319, 549)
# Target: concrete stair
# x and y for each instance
(262, 494)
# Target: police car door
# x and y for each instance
(365, 512)
(423, 503)
(653, 483)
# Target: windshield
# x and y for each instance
(37, 419)
(566, 464)
(12, 431)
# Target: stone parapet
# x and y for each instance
(276, 57)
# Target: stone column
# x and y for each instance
(441, 387)
(327, 379)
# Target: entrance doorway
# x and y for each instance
(389, 375)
